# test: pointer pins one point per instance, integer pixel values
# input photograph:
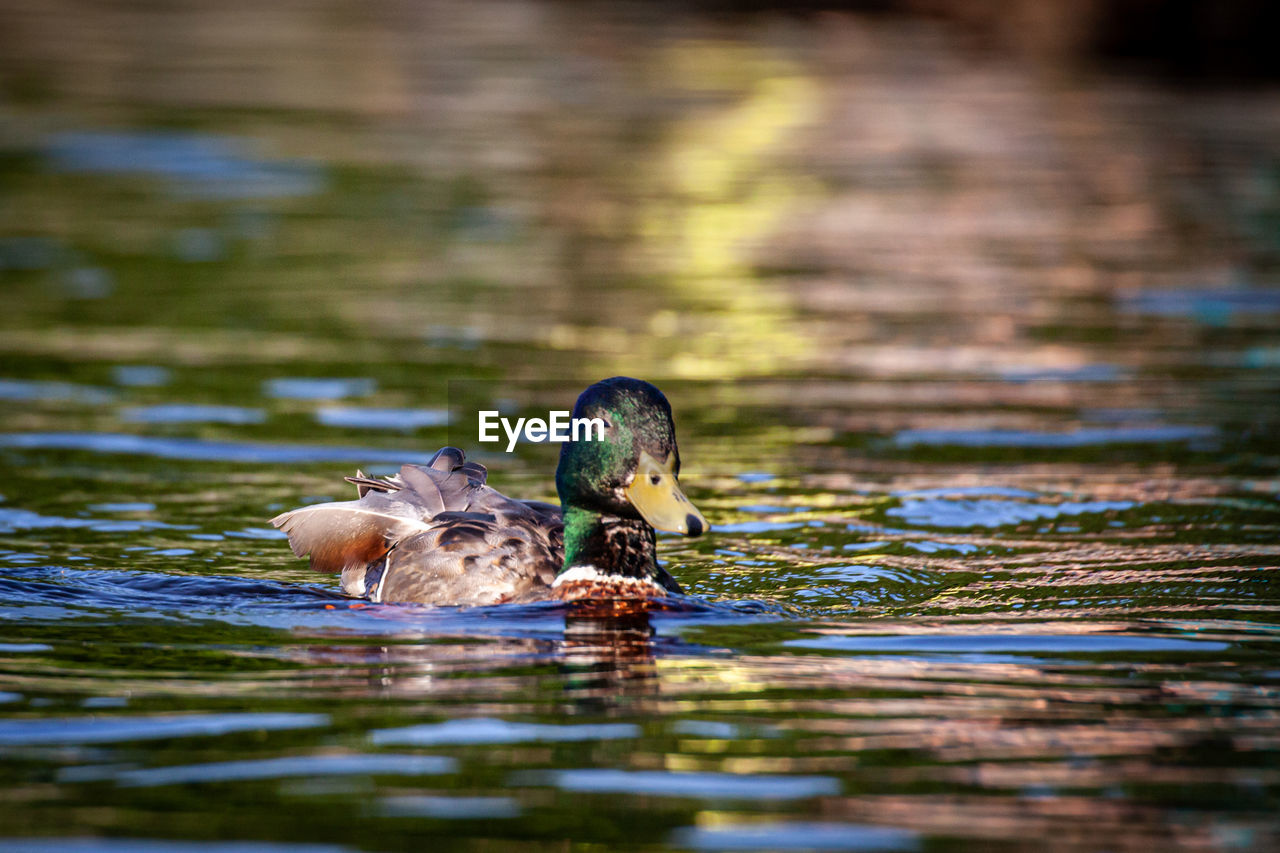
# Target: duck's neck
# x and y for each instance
(617, 547)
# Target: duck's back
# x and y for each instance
(499, 551)
(435, 534)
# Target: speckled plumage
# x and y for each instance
(435, 534)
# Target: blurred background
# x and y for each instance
(695, 191)
(969, 313)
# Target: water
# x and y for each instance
(973, 371)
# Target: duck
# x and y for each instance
(438, 534)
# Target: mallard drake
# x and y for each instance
(436, 534)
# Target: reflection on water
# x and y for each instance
(109, 729)
(1076, 438)
(328, 388)
(202, 166)
(177, 413)
(794, 835)
(984, 512)
(707, 786)
(307, 766)
(19, 390)
(201, 450)
(973, 362)
(496, 731)
(403, 420)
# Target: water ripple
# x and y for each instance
(449, 808)
(794, 835)
(200, 165)
(1085, 437)
(491, 731)
(710, 786)
(391, 419)
(113, 729)
(66, 392)
(148, 845)
(189, 413)
(327, 388)
(204, 450)
(941, 512)
(369, 764)
(1026, 643)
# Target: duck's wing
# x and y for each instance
(502, 551)
(346, 534)
(435, 534)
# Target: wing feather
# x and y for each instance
(347, 533)
(343, 534)
(424, 484)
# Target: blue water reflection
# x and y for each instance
(492, 731)
(1083, 437)
(113, 729)
(200, 165)
(19, 390)
(191, 413)
(941, 512)
(141, 375)
(318, 388)
(196, 449)
(1021, 643)
(306, 766)
(707, 786)
(795, 835)
(391, 419)
(449, 808)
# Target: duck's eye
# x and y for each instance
(655, 479)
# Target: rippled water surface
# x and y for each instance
(974, 372)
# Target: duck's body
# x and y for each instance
(437, 534)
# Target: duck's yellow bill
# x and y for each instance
(655, 492)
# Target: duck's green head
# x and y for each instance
(632, 471)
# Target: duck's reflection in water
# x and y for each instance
(607, 655)
(595, 650)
